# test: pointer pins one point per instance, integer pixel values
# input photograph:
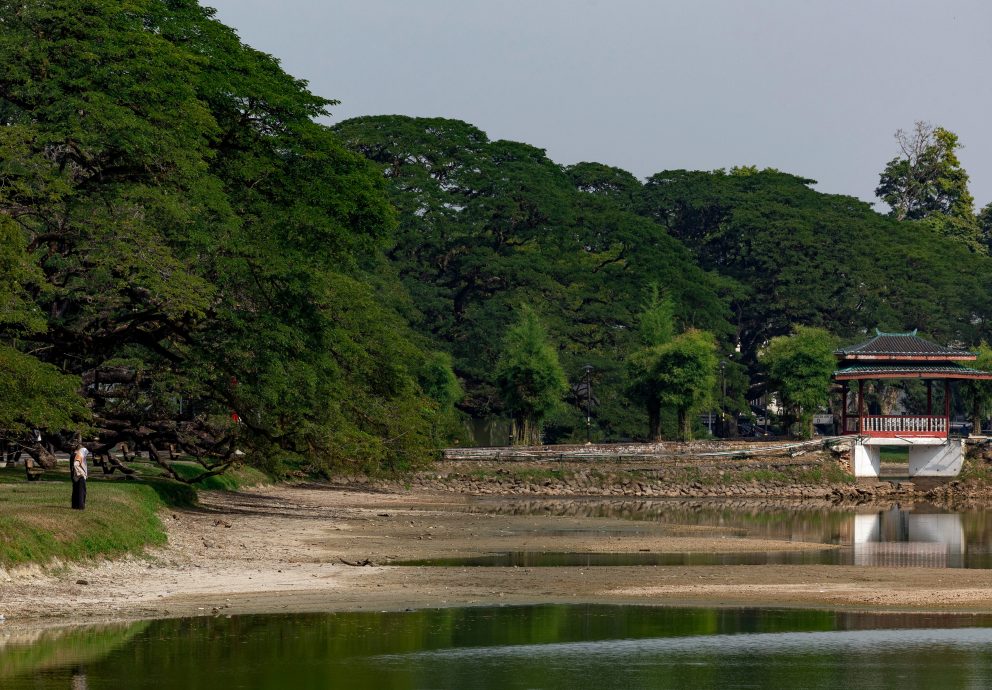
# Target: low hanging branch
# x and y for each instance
(210, 470)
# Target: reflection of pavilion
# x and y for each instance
(888, 356)
(900, 538)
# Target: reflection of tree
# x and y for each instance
(27, 652)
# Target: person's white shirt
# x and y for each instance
(79, 461)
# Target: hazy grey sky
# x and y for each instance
(815, 88)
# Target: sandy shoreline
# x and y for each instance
(286, 549)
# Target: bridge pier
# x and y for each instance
(867, 460)
(937, 461)
(928, 457)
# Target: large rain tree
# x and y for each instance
(199, 250)
(530, 378)
(487, 225)
(36, 398)
(791, 248)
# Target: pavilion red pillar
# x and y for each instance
(861, 405)
(843, 409)
(947, 406)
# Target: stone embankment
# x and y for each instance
(791, 474)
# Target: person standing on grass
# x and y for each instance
(79, 473)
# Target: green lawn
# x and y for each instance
(894, 453)
(37, 525)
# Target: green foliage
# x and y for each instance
(438, 380)
(180, 240)
(602, 180)
(984, 220)
(440, 384)
(529, 376)
(799, 368)
(485, 226)
(927, 177)
(180, 235)
(35, 395)
(19, 277)
(731, 395)
(656, 325)
(685, 371)
(679, 374)
(977, 395)
(819, 260)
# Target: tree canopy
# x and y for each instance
(530, 379)
(800, 367)
(977, 395)
(823, 260)
(188, 243)
(685, 371)
(487, 225)
(926, 178)
(190, 260)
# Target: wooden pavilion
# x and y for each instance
(932, 450)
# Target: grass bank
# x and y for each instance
(37, 525)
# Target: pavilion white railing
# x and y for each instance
(909, 425)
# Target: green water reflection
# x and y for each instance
(514, 647)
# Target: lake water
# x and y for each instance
(582, 646)
(922, 536)
(599, 647)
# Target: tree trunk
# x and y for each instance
(654, 420)
(532, 431)
(525, 432)
(728, 426)
(685, 425)
(40, 454)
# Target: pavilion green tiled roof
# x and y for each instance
(902, 346)
(936, 370)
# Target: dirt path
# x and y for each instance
(288, 549)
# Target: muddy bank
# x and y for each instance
(332, 547)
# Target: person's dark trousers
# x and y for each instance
(79, 494)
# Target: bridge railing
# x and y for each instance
(897, 425)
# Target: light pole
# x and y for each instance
(588, 369)
(723, 393)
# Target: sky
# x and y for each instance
(812, 87)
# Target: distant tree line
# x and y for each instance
(743, 259)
